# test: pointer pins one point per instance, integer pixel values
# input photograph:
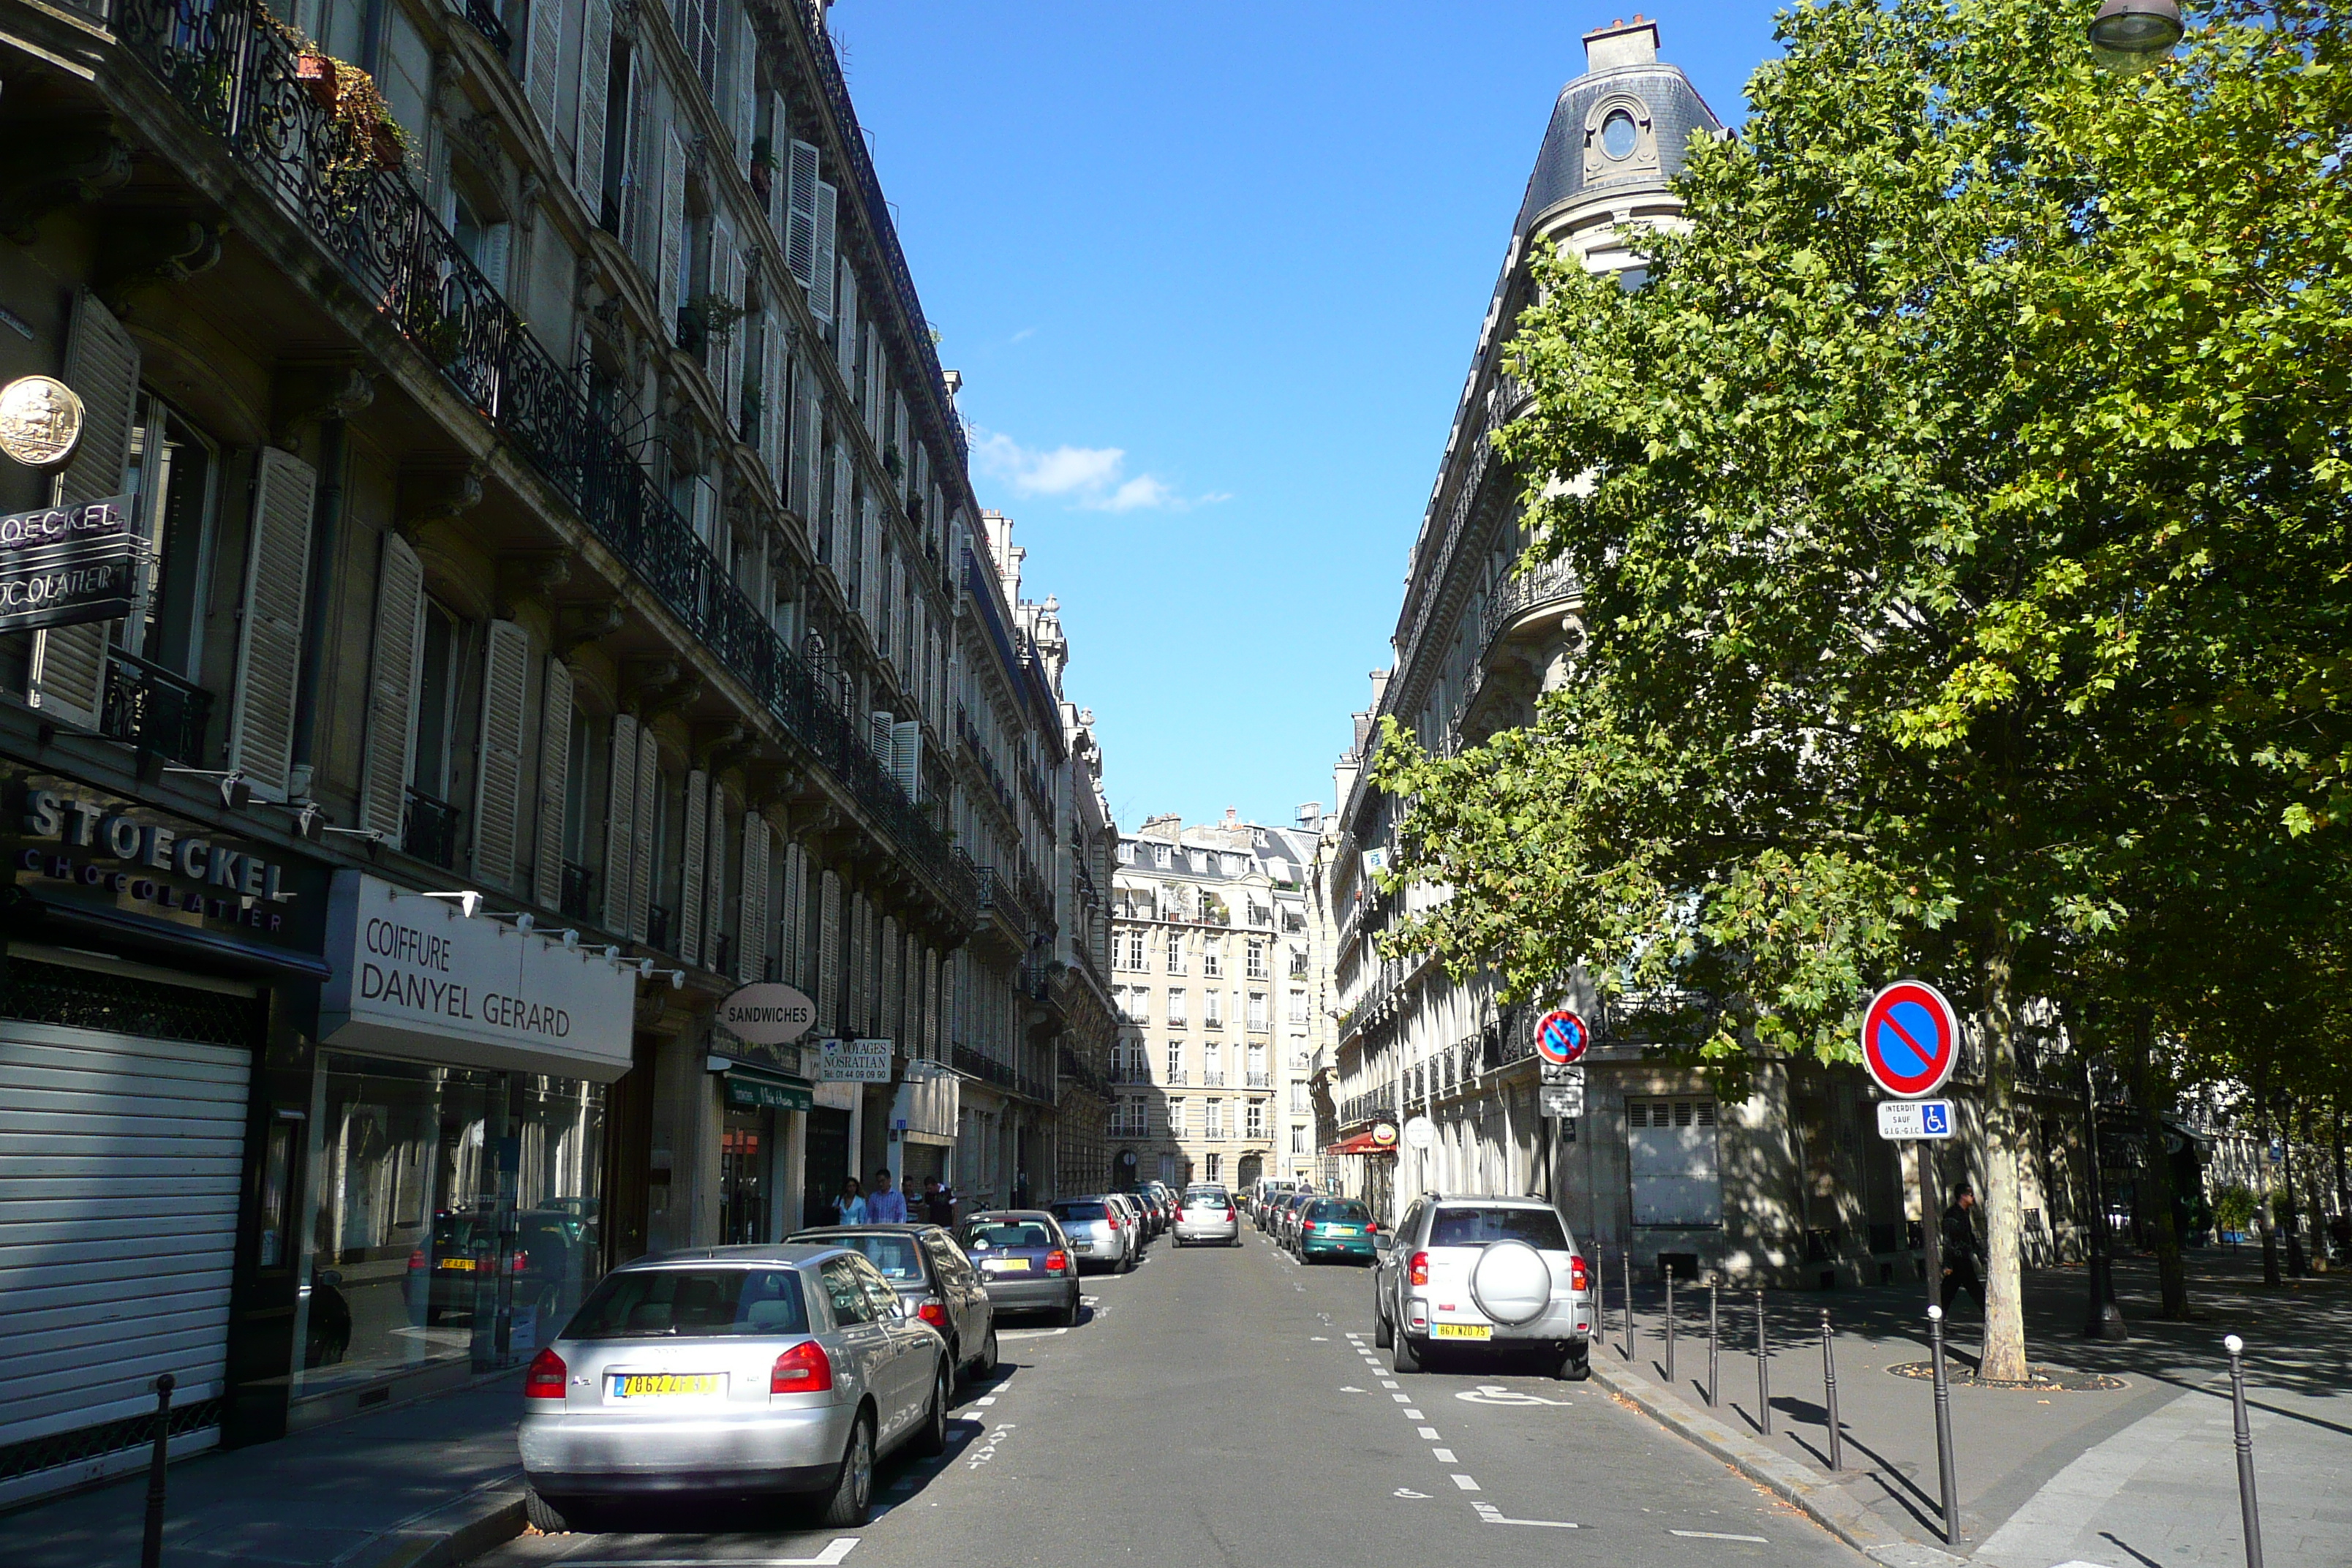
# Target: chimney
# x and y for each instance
(954, 379)
(1633, 42)
(1380, 687)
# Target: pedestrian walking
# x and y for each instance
(938, 1202)
(884, 1206)
(1962, 1253)
(849, 1204)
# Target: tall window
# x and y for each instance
(1210, 1168)
(1298, 1097)
(1213, 1124)
(1298, 1137)
(1258, 1009)
(1212, 957)
(1175, 952)
(1178, 1007)
(1213, 1009)
(1256, 1119)
(1175, 1063)
(1159, 855)
(1299, 1006)
(1257, 959)
(1298, 962)
(1135, 949)
(1257, 1077)
(172, 479)
(1213, 1063)
(1176, 1118)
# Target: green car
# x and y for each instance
(1335, 1227)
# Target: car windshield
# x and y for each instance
(692, 1303)
(1207, 1197)
(1539, 1229)
(898, 1257)
(1340, 1210)
(995, 1236)
(1078, 1211)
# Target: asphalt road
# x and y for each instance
(1226, 1406)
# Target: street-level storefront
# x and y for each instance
(924, 1113)
(157, 975)
(452, 1217)
(762, 1112)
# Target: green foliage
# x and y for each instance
(2235, 1207)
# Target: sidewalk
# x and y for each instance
(2143, 1476)
(417, 1485)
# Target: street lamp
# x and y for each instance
(2132, 35)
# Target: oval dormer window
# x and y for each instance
(1619, 134)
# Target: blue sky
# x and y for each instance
(1213, 274)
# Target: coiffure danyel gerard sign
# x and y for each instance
(414, 977)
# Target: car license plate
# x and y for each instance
(465, 1264)
(1462, 1331)
(1342, 1230)
(1007, 1264)
(667, 1385)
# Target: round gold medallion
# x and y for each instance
(40, 420)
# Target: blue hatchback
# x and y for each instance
(1336, 1227)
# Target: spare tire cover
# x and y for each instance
(1511, 1282)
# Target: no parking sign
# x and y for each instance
(1910, 1039)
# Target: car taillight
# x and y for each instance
(1578, 1279)
(518, 1262)
(1307, 1228)
(416, 1259)
(933, 1313)
(1231, 1215)
(545, 1378)
(1058, 1262)
(1417, 1269)
(1372, 1229)
(803, 1369)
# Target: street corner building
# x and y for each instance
(488, 569)
(1790, 1186)
(1216, 965)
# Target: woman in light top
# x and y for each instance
(849, 1208)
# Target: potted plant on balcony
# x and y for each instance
(708, 319)
(764, 166)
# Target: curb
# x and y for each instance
(1826, 1503)
(448, 1537)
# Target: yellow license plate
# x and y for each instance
(464, 1263)
(1342, 1230)
(1008, 1265)
(664, 1384)
(1462, 1331)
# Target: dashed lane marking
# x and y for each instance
(989, 1399)
(1413, 1415)
(1717, 1535)
(1386, 1382)
(1489, 1514)
(1351, 1388)
(1428, 1434)
(830, 1557)
(1408, 1492)
(1401, 1398)
(1444, 1455)
(1465, 1483)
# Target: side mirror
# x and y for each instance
(1382, 1241)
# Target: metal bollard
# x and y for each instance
(150, 1545)
(1714, 1339)
(1829, 1393)
(2244, 1439)
(1667, 1270)
(1629, 1305)
(1763, 1371)
(1944, 1472)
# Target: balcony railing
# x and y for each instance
(485, 19)
(430, 831)
(996, 895)
(149, 707)
(1551, 583)
(1261, 1080)
(1213, 1080)
(234, 73)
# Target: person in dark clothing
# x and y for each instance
(939, 1203)
(1960, 1251)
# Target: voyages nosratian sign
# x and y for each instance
(63, 565)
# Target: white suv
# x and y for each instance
(1495, 1274)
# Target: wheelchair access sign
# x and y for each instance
(1901, 1120)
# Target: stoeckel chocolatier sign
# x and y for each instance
(62, 566)
(83, 850)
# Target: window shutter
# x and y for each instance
(821, 253)
(828, 953)
(634, 151)
(773, 393)
(692, 867)
(648, 802)
(621, 825)
(747, 85)
(907, 758)
(554, 781)
(752, 921)
(546, 22)
(269, 630)
(804, 460)
(792, 929)
(391, 687)
(588, 139)
(845, 334)
(498, 785)
(69, 664)
(800, 216)
(841, 565)
(714, 887)
(672, 238)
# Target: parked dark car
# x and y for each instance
(1024, 1261)
(545, 1246)
(933, 1276)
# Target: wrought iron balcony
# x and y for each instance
(997, 897)
(149, 707)
(234, 73)
(430, 832)
(485, 19)
(1521, 594)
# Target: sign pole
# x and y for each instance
(1931, 1226)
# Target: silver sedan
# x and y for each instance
(732, 1371)
(1207, 1214)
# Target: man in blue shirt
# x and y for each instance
(883, 1205)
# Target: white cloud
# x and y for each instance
(1094, 479)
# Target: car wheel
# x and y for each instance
(1382, 1335)
(852, 1498)
(542, 1515)
(932, 1440)
(1574, 1366)
(1068, 1315)
(1127, 1264)
(1402, 1355)
(986, 1364)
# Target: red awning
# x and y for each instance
(1361, 1144)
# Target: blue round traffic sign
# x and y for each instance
(1910, 1039)
(1562, 1038)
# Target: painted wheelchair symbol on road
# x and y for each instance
(1496, 1394)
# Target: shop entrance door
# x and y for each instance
(827, 1165)
(746, 1145)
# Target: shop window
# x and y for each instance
(452, 1218)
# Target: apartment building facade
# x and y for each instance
(546, 595)
(1213, 976)
(1790, 1184)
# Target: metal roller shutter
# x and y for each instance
(120, 1163)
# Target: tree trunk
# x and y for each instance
(2262, 1170)
(2004, 1333)
(2172, 1272)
